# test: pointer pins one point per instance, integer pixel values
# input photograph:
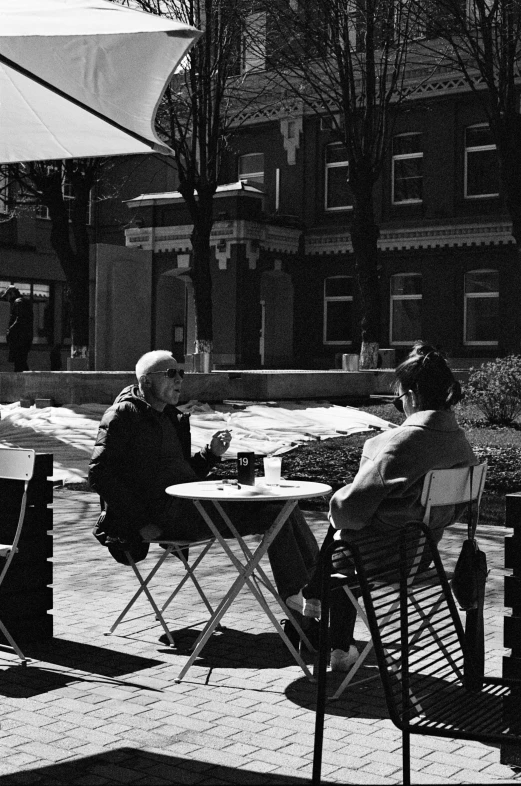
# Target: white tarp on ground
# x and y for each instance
(69, 432)
(110, 65)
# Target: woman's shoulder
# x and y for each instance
(385, 440)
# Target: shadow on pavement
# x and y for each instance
(231, 648)
(442, 703)
(24, 683)
(362, 699)
(17, 682)
(125, 765)
(86, 657)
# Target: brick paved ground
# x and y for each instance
(94, 709)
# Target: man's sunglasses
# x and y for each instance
(397, 401)
(171, 373)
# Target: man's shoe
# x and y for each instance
(308, 607)
(343, 661)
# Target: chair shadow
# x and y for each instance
(19, 682)
(87, 657)
(231, 648)
(365, 698)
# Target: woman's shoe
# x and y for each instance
(343, 661)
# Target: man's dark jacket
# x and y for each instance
(125, 463)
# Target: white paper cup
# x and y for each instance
(272, 465)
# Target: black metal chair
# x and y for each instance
(431, 684)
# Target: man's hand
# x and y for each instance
(220, 442)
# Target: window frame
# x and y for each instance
(476, 296)
(252, 178)
(403, 157)
(334, 299)
(334, 165)
(42, 212)
(475, 149)
(393, 299)
(37, 340)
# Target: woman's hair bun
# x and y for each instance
(427, 372)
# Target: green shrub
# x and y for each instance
(495, 389)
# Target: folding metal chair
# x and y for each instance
(15, 465)
(441, 487)
(179, 549)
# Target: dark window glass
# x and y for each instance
(482, 319)
(338, 191)
(406, 320)
(482, 173)
(408, 180)
(482, 281)
(406, 284)
(478, 136)
(339, 320)
(339, 286)
(407, 143)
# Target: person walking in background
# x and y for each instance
(20, 331)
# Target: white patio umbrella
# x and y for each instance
(82, 78)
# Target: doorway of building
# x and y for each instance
(175, 314)
(276, 334)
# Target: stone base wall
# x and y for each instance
(82, 387)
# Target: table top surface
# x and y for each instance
(219, 490)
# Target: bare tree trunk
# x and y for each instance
(364, 237)
(73, 258)
(202, 281)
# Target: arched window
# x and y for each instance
(481, 309)
(406, 308)
(338, 310)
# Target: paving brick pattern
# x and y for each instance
(95, 709)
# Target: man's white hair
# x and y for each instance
(150, 359)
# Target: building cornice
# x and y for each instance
(491, 233)
(420, 82)
(270, 237)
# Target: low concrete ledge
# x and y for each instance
(82, 387)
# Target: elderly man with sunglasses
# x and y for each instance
(143, 446)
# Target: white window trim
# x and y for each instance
(476, 149)
(394, 298)
(474, 296)
(403, 157)
(334, 165)
(334, 299)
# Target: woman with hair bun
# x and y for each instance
(386, 491)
